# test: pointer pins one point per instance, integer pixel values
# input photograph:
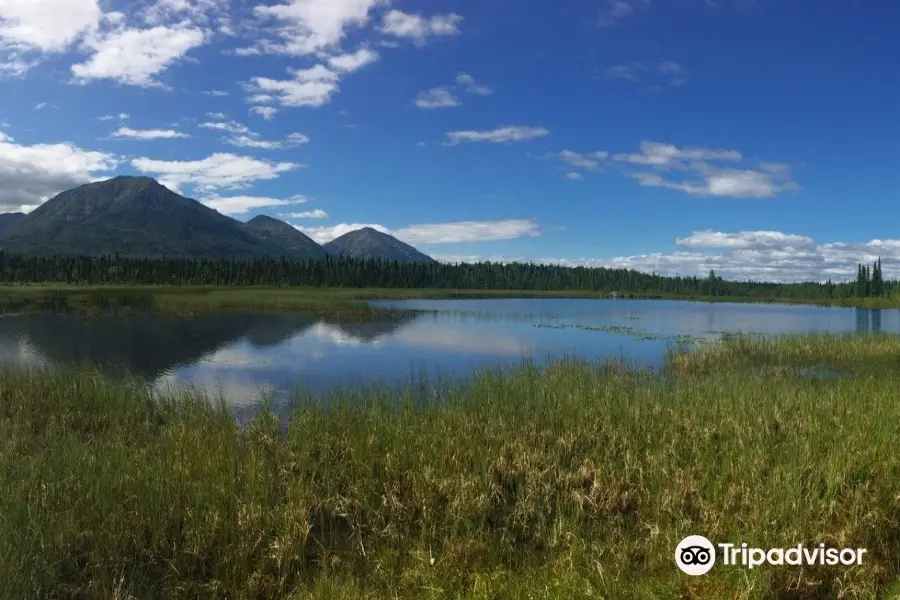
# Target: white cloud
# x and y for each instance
(699, 172)
(120, 117)
(757, 240)
(14, 67)
(216, 115)
(468, 81)
(266, 112)
(215, 93)
(239, 205)
(136, 56)
(46, 25)
(220, 170)
(436, 98)
(308, 87)
(195, 11)
(436, 233)
(667, 156)
(509, 133)
(43, 105)
(309, 26)
(251, 141)
(296, 139)
(414, 26)
(316, 213)
(348, 63)
(574, 176)
(148, 134)
(588, 162)
(228, 126)
(616, 10)
(243, 137)
(757, 255)
(29, 175)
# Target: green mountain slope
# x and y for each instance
(135, 216)
(370, 243)
(284, 236)
(10, 219)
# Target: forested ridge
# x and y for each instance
(349, 272)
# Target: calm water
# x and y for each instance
(244, 354)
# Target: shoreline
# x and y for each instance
(325, 301)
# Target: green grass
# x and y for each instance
(92, 300)
(572, 482)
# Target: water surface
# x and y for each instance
(241, 355)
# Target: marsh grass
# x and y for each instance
(575, 481)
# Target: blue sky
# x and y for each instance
(754, 137)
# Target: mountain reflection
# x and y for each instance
(149, 346)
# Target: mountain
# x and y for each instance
(136, 216)
(7, 219)
(370, 243)
(285, 236)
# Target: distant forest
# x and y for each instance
(348, 272)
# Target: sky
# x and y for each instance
(757, 138)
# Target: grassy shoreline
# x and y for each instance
(572, 482)
(92, 300)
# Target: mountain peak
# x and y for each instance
(368, 242)
(138, 216)
(286, 236)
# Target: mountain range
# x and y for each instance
(139, 217)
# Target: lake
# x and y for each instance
(243, 354)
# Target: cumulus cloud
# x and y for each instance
(309, 26)
(308, 87)
(240, 205)
(462, 232)
(220, 170)
(46, 25)
(148, 134)
(137, 56)
(697, 171)
(348, 63)
(745, 255)
(509, 133)
(215, 93)
(417, 27)
(29, 175)
(436, 98)
(266, 112)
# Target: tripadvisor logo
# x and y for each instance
(696, 555)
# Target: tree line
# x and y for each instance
(350, 272)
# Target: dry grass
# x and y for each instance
(573, 482)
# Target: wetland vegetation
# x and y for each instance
(573, 481)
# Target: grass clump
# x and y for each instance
(576, 481)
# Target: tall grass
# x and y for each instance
(576, 481)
